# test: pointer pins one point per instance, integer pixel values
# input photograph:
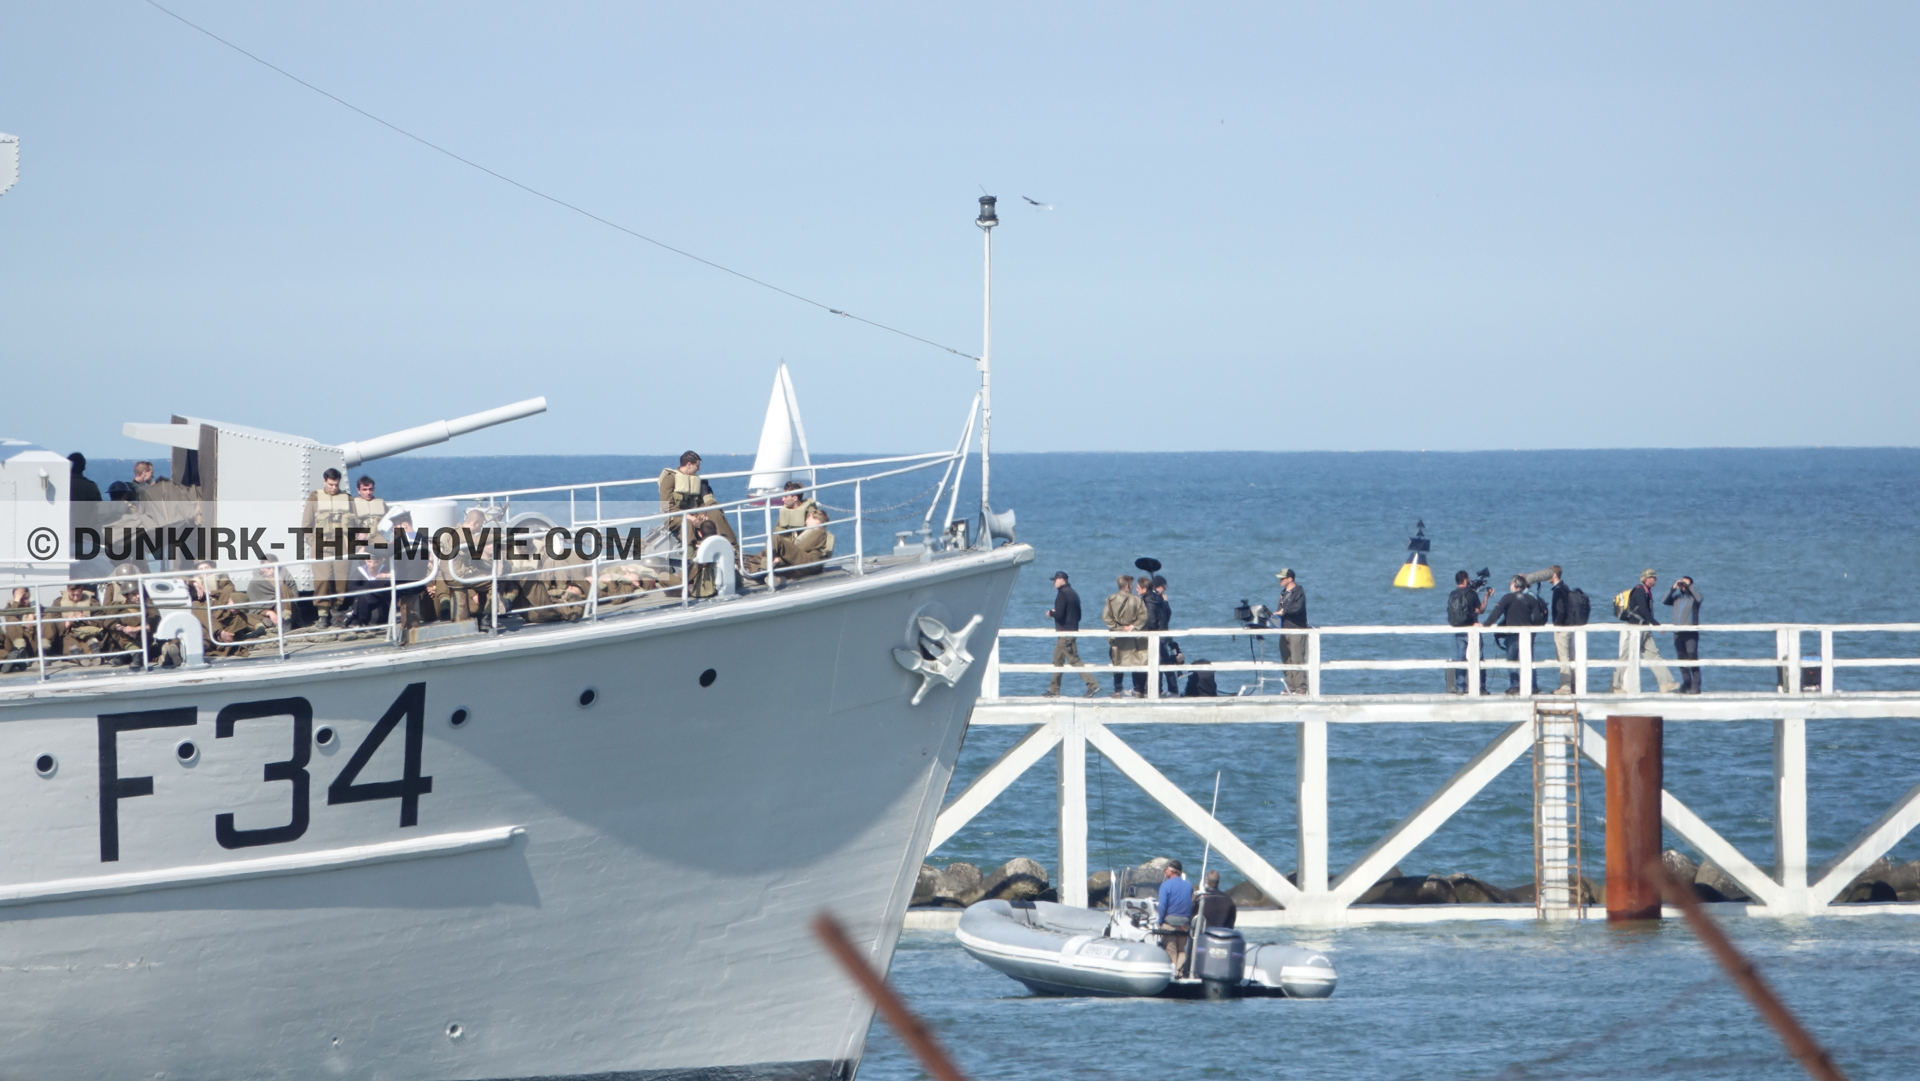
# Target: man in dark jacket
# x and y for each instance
(1685, 601)
(1065, 614)
(1516, 609)
(1216, 907)
(1200, 682)
(1640, 613)
(1560, 612)
(1292, 610)
(1463, 607)
(1160, 618)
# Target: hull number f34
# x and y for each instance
(409, 707)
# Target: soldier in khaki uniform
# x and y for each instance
(794, 505)
(682, 490)
(268, 614)
(560, 593)
(328, 509)
(19, 638)
(1124, 612)
(813, 545)
(368, 509)
(69, 629)
(214, 605)
(120, 609)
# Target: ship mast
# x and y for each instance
(986, 221)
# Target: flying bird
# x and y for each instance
(1038, 203)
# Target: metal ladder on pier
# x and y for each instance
(1557, 872)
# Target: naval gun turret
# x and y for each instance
(224, 475)
(249, 478)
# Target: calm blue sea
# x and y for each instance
(1804, 534)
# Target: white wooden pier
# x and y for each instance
(1325, 896)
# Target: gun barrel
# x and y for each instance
(426, 435)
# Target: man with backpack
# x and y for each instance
(1517, 609)
(1569, 608)
(1635, 606)
(1463, 608)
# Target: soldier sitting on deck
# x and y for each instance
(813, 545)
(682, 490)
(794, 506)
(68, 629)
(19, 637)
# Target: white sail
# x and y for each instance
(781, 435)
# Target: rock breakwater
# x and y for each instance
(959, 884)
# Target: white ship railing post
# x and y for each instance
(766, 516)
(40, 632)
(593, 587)
(280, 612)
(990, 679)
(393, 598)
(140, 589)
(686, 562)
(1790, 810)
(1073, 810)
(986, 221)
(859, 535)
(493, 595)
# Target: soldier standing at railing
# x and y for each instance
(328, 513)
(1065, 614)
(1292, 610)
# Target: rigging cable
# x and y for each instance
(553, 198)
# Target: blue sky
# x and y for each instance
(1276, 227)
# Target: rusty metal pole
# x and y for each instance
(1634, 781)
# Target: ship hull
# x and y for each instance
(548, 889)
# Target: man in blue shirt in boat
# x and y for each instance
(1176, 914)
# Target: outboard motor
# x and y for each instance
(1219, 960)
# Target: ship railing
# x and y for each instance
(597, 595)
(1598, 653)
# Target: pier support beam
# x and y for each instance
(1073, 812)
(1634, 782)
(1790, 809)
(1311, 793)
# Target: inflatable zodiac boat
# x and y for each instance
(1059, 950)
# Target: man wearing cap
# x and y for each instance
(1640, 612)
(1292, 610)
(1065, 614)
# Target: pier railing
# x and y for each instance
(1601, 649)
(1795, 687)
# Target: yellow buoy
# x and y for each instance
(1414, 573)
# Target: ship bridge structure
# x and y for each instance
(1794, 675)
